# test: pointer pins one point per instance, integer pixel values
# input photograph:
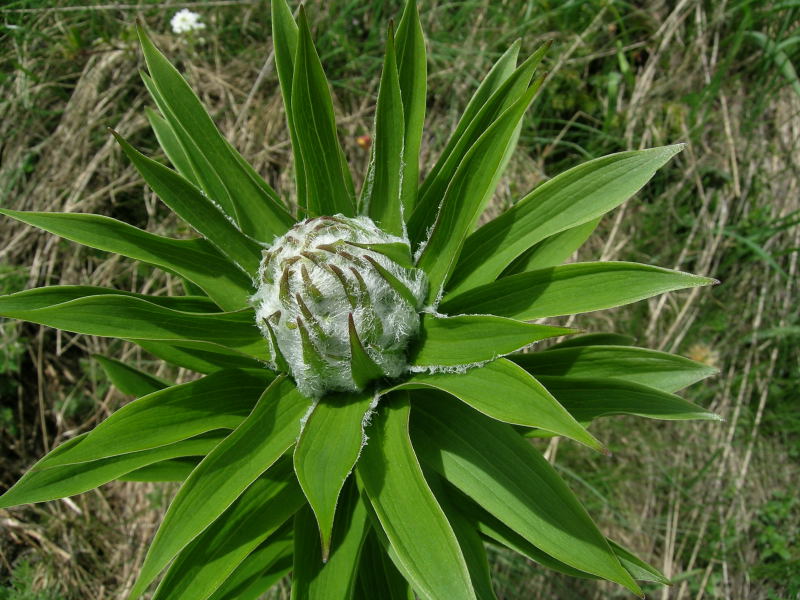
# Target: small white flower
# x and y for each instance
(185, 21)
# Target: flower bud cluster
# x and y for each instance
(328, 283)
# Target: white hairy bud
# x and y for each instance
(332, 283)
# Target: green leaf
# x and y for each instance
(43, 483)
(327, 178)
(380, 197)
(504, 391)
(204, 565)
(442, 175)
(588, 399)
(639, 569)
(501, 471)
(572, 198)
(260, 570)
(171, 469)
(322, 464)
(667, 372)
(200, 358)
(468, 193)
(570, 289)
(284, 41)
(225, 473)
(314, 579)
(552, 251)
(196, 260)
(137, 319)
(399, 252)
(412, 68)
(378, 577)
(129, 380)
(469, 339)
(171, 145)
(595, 339)
(256, 207)
(197, 210)
(413, 521)
(173, 414)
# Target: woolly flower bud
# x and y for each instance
(336, 310)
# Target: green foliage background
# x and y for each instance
(711, 505)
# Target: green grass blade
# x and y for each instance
(506, 392)
(171, 469)
(257, 208)
(667, 372)
(137, 319)
(171, 146)
(467, 195)
(328, 180)
(204, 565)
(192, 206)
(443, 173)
(196, 260)
(224, 474)
(408, 512)
(552, 251)
(574, 197)
(562, 290)
(412, 68)
(381, 196)
(470, 339)
(129, 380)
(260, 570)
(322, 466)
(314, 579)
(496, 467)
(284, 40)
(173, 414)
(587, 399)
(42, 483)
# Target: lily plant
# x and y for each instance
(367, 382)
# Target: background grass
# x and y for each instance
(714, 505)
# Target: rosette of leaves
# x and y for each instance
(390, 482)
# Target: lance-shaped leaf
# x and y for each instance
(175, 413)
(207, 562)
(327, 178)
(363, 368)
(284, 41)
(413, 521)
(470, 339)
(171, 145)
(468, 193)
(399, 252)
(587, 399)
(225, 473)
(412, 68)
(43, 483)
(595, 339)
(577, 196)
(256, 207)
(137, 319)
(313, 579)
(552, 251)
(197, 210)
(570, 289)
(171, 469)
(502, 472)
(504, 391)
(260, 570)
(667, 372)
(326, 452)
(196, 260)
(437, 181)
(202, 358)
(380, 197)
(129, 380)
(378, 577)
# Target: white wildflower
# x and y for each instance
(185, 21)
